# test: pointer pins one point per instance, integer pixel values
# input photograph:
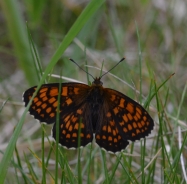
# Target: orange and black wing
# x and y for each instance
(125, 120)
(109, 137)
(44, 104)
(72, 108)
(74, 128)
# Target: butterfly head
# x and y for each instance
(97, 82)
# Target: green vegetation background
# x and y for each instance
(152, 36)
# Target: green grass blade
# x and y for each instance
(20, 164)
(103, 156)
(127, 170)
(57, 131)
(140, 61)
(77, 26)
(89, 165)
(10, 148)
(31, 172)
(79, 168)
(19, 38)
(154, 92)
(43, 156)
(1, 108)
(115, 168)
(37, 63)
(184, 141)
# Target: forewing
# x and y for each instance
(44, 104)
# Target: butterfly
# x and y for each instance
(88, 112)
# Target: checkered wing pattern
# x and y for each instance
(84, 110)
(124, 120)
(73, 127)
(72, 109)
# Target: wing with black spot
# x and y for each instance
(124, 120)
(132, 120)
(44, 104)
(109, 138)
(74, 127)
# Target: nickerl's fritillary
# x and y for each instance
(88, 111)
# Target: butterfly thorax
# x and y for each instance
(95, 97)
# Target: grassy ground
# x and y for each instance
(153, 38)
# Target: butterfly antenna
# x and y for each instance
(82, 68)
(113, 67)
